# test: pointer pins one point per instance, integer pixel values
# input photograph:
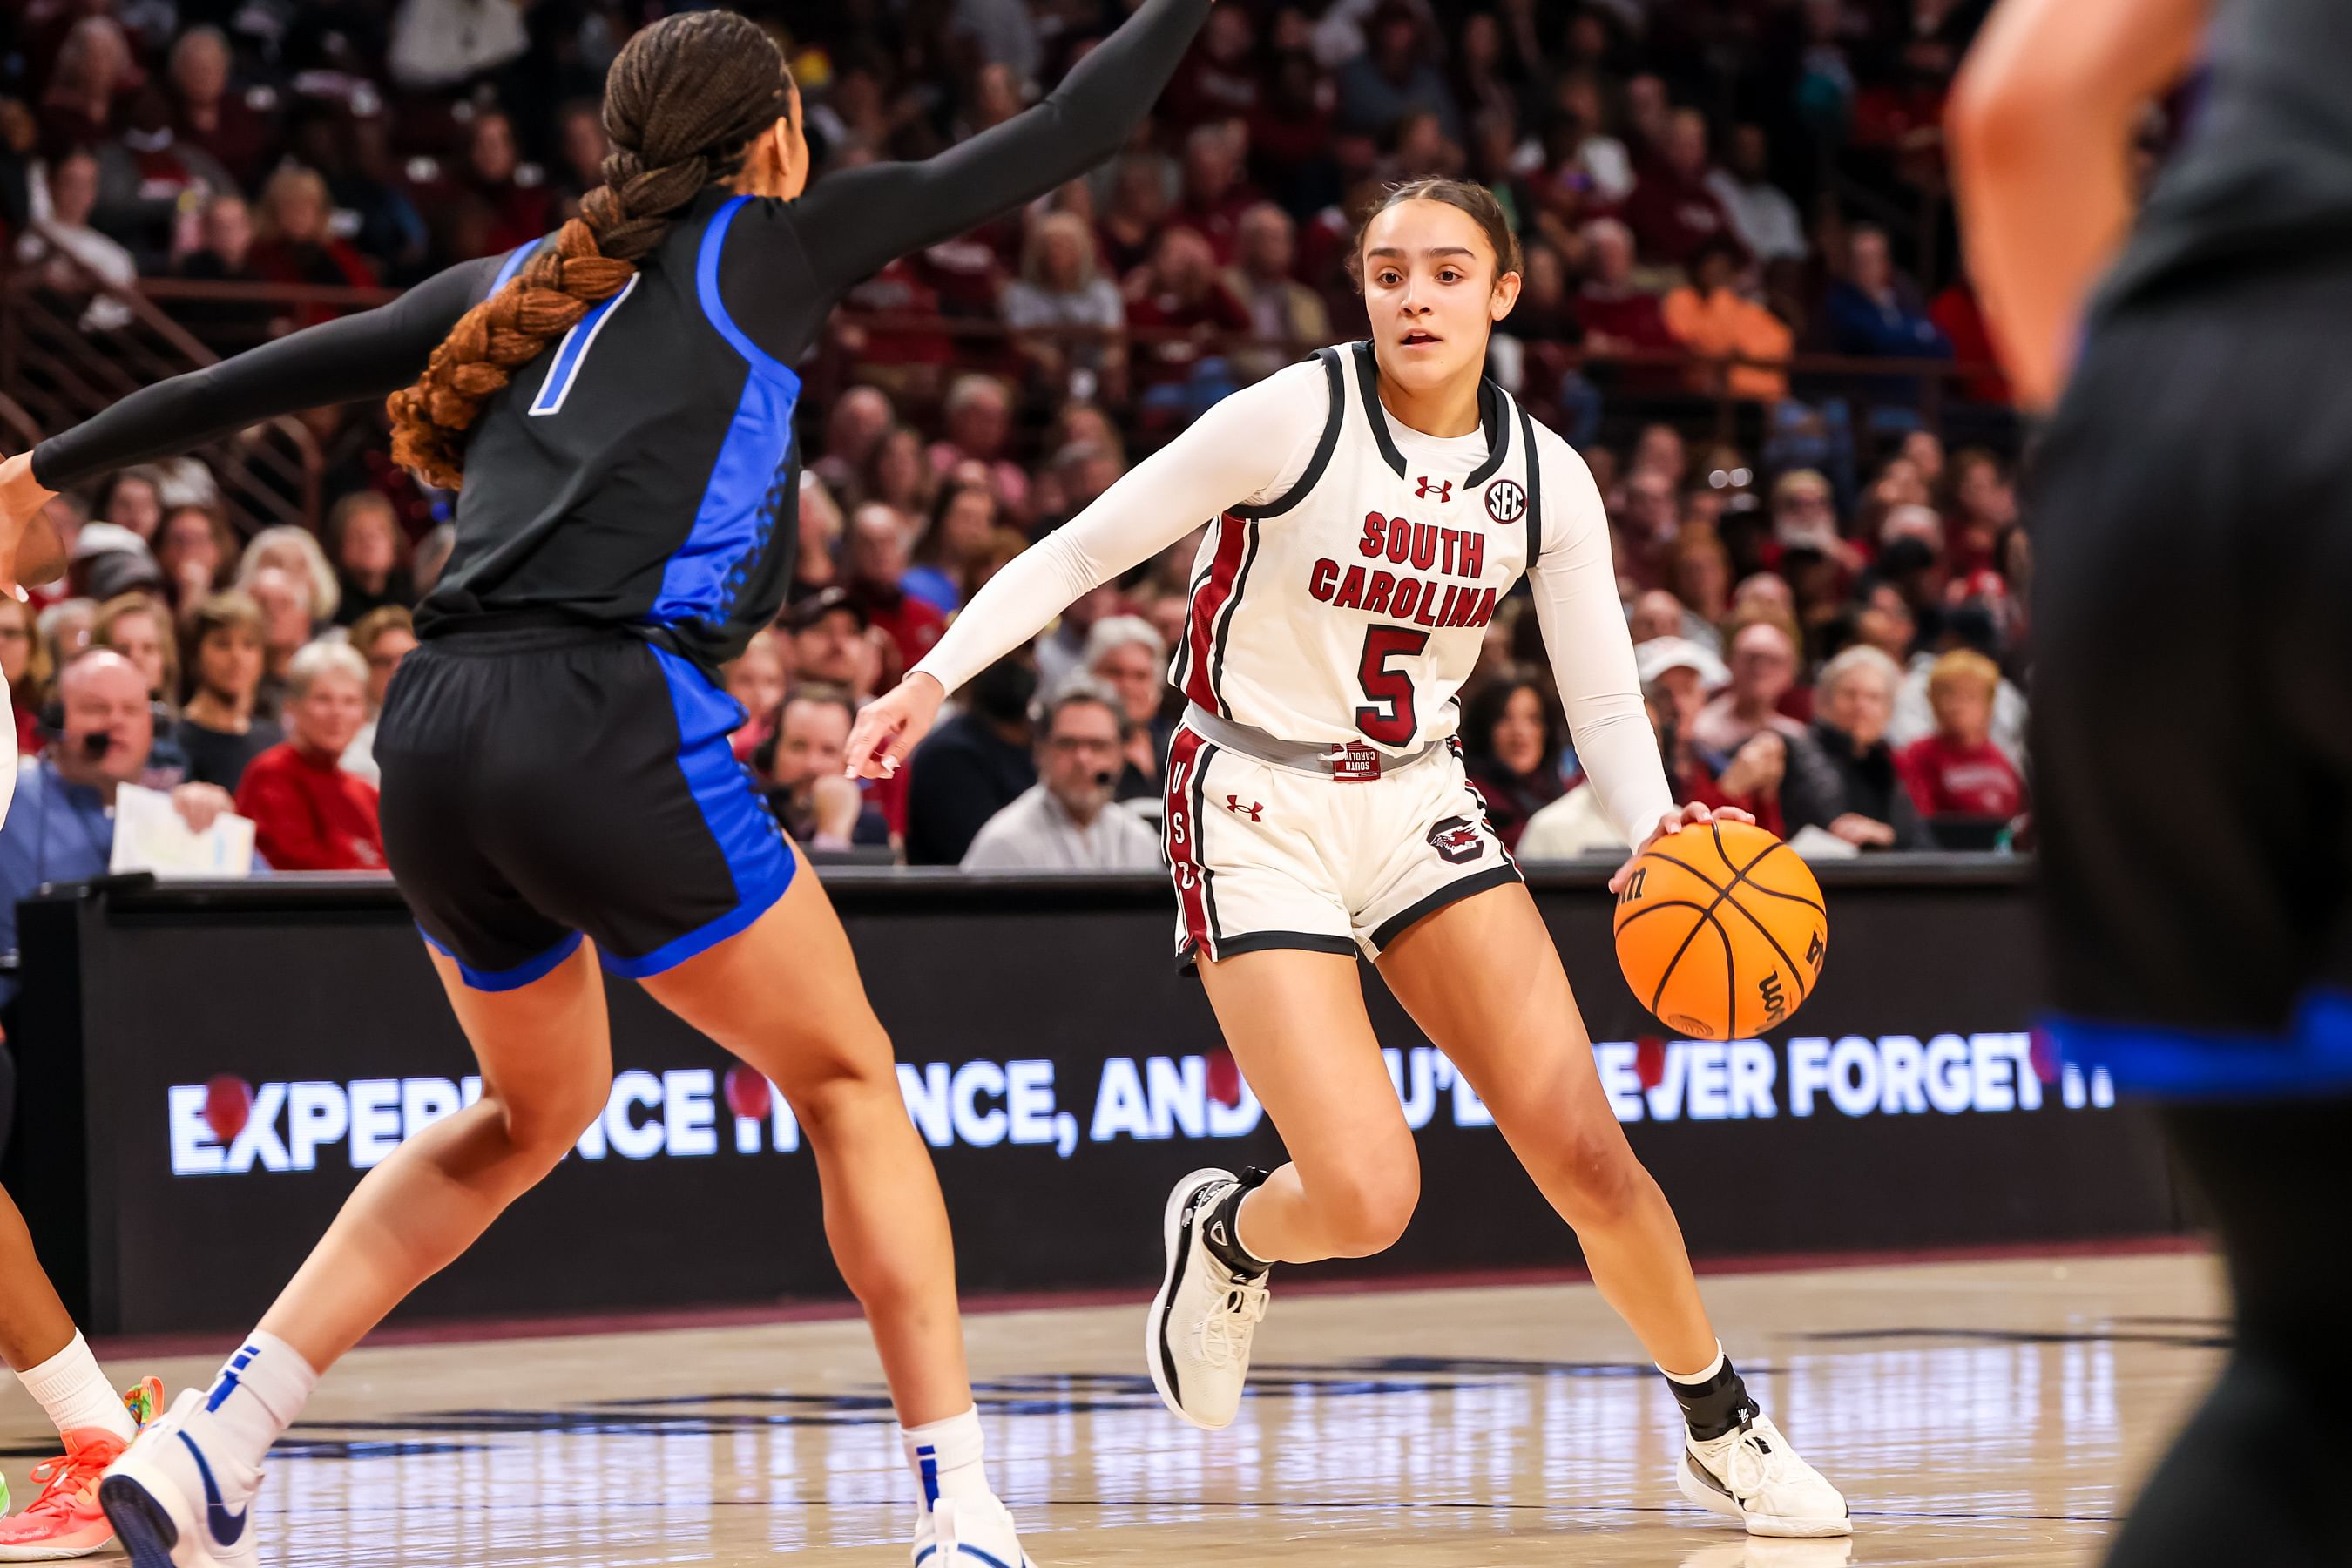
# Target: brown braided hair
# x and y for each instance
(685, 100)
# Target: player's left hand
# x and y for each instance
(1675, 822)
(888, 726)
(30, 550)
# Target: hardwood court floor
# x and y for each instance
(1984, 1413)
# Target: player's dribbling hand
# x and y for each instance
(890, 725)
(1675, 822)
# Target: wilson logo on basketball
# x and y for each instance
(1505, 500)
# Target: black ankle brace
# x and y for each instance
(1221, 1232)
(1715, 1406)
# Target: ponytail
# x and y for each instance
(687, 98)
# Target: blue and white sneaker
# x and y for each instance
(173, 1504)
(963, 1532)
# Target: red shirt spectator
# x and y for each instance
(520, 207)
(1958, 771)
(881, 541)
(1290, 132)
(297, 246)
(1179, 308)
(1949, 779)
(1216, 80)
(1130, 227)
(233, 127)
(93, 71)
(1214, 196)
(1672, 212)
(308, 814)
(1619, 317)
(1960, 318)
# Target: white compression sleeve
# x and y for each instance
(1240, 451)
(1575, 588)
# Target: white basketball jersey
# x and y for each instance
(1351, 609)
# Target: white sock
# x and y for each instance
(946, 1458)
(1706, 1375)
(258, 1395)
(75, 1393)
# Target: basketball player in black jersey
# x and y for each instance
(558, 789)
(2192, 704)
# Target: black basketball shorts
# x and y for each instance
(2192, 692)
(545, 783)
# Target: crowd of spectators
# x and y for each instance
(1827, 602)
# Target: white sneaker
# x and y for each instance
(1752, 1474)
(173, 1504)
(1197, 1338)
(967, 1532)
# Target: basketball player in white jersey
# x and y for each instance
(38, 1337)
(1372, 507)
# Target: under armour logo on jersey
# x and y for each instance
(1445, 488)
(1255, 810)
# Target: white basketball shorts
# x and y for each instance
(1270, 856)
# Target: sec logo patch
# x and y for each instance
(1505, 501)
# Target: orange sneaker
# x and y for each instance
(64, 1521)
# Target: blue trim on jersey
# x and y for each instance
(2313, 1057)
(572, 351)
(738, 816)
(515, 979)
(706, 285)
(749, 480)
(512, 264)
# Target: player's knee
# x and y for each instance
(831, 1086)
(1365, 1210)
(544, 1125)
(1601, 1181)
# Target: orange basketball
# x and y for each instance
(1721, 931)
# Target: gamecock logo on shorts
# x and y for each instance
(1505, 500)
(1458, 839)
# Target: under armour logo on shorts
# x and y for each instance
(1445, 488)
(1255, 810)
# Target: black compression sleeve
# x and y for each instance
(371, 354)
(854, 222)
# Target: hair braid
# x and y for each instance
(685, 100)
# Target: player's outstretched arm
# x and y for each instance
(1230, 455)
(2040, 123)
(369, 354)
(856, 221)
(1574, 583)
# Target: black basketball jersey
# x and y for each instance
(2264, 175)
(642, 470)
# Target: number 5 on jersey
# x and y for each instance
(1389, 717)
